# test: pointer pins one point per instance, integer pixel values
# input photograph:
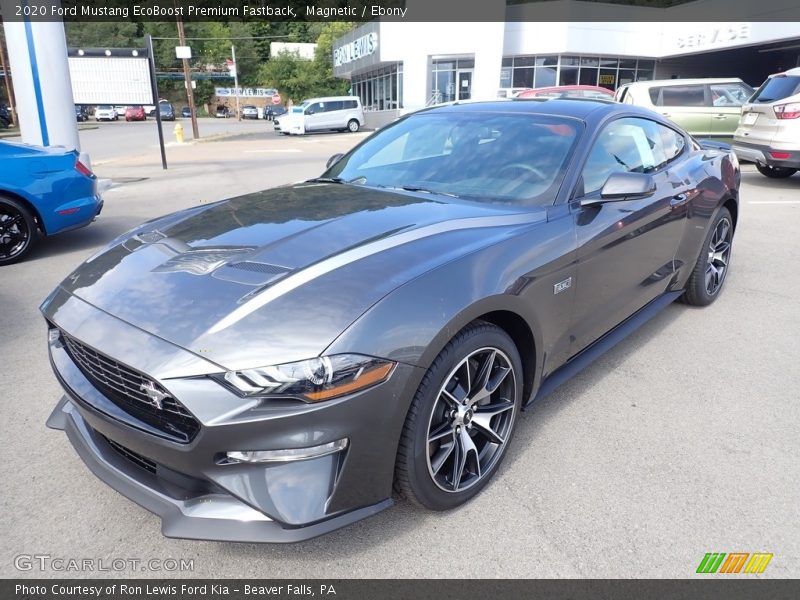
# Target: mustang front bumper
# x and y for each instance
(195, 491)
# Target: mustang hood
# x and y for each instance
(276, 276)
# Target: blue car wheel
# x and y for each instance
(17, 231)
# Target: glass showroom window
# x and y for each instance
(444, 78)
(381, 89)
(521, 72)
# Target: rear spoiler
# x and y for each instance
(713, 145)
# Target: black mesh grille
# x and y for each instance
(123, 386)
(134, 457)
(258, 267)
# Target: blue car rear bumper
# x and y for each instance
(73, 214)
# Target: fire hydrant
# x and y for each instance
(178, 133)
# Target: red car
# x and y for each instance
(135, 113)
(569, 91)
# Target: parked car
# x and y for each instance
(5, 117)
(568, 91)
(121, 110)
(150, 110)
(135, 113)
(80, 114)
(167, 111)
(105, 112)
(222, 112)
(769, 132)
(274, 111)
(249, 112)
(343, 113)
(444, 273)
(704, 107)
(186, 112)
(42, 190)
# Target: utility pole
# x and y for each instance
(187, 75)
(236, 81)
(7, 78)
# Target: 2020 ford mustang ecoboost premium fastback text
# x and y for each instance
(269, 367)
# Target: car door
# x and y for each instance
(686, 105)
(727, 100)
(626, 248)
(315, 116)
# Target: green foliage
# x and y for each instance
(297, 78)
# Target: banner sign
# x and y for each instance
(245, 92)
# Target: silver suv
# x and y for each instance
(769, 131)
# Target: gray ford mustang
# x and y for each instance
(272, 366)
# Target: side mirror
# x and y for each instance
(623, 186)
(333, 160)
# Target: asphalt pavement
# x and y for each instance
(683, 440)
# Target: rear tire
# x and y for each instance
(775, 172)
(17, 231)
(711, 268)
(353, 126)
(461, 419)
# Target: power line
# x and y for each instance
(258, 37)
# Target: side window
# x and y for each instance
(335, 105)
(630, 145)
(349, 104)
(315, 108)
(729, 94)
(682, 95)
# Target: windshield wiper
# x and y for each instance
(326, 180)
(422, 190)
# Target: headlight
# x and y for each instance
(313, 380)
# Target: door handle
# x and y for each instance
(679, 199)
(720, 116)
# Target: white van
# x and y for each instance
(343, 113)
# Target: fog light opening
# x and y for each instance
(289, 454)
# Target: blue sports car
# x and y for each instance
(45, 189)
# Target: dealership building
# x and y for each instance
(396, 67)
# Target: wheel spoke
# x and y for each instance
(482, 419)
(449, 398)
(479, 387)
(464, 447)
(444, 430)
(723, 229)
(441, 456)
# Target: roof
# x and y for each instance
(684, 81)
(578, 108)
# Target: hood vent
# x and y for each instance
(251, 273)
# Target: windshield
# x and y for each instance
(488, 157)
(777, 88)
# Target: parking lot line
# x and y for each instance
(773, 201)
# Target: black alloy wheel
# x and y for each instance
(712, 265)
(17, 231)
(461, 419)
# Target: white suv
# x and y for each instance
(343, 113)
(769, 131)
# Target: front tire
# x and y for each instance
(461, 419)
(711, 268)
(775, 172)
(17, 231)
(353, 126)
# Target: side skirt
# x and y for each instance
(588, 355)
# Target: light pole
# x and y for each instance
(236, 81)
(187, 75)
